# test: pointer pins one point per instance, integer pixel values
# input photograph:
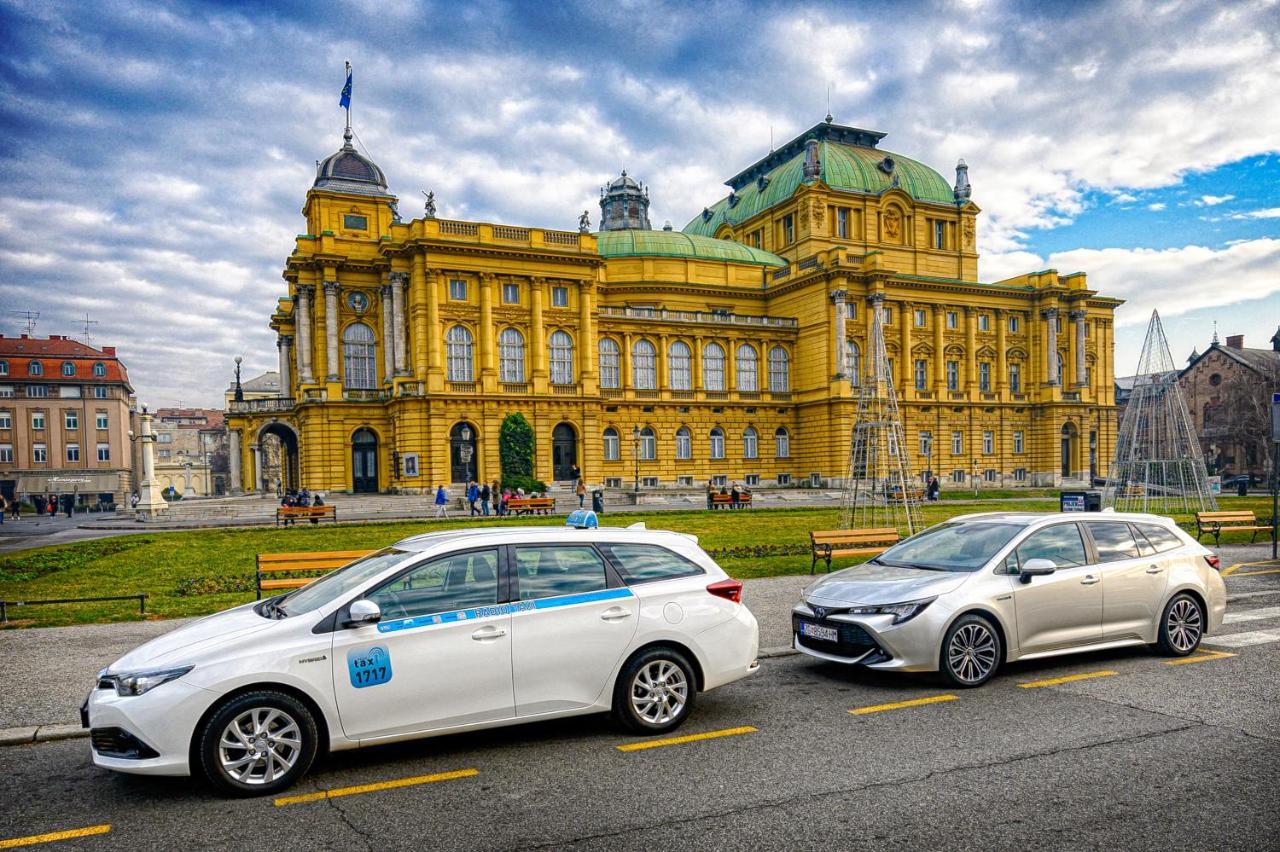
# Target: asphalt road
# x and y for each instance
(1147, 756)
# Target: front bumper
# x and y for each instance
(874, 640)
(154, 728)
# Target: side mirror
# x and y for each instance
(1036, 568)
(363, 612)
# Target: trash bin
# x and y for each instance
(1242, 487)
(597, 501)
(1080, 501)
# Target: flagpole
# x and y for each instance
(348, 130)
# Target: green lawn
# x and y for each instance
(202, 571)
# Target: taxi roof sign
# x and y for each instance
(582, 519)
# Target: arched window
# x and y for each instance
(358, 357)
(782, 443)
(750, 443)
(680, 366)
(748, 371)
(853, 362)
(1062, 376)
(713, 367)
(717, 443)
(561, 358)
(609, 363)
(644, 366)
(35, 368)
(684, 443)
(511, 356)
(779, 370)
(99, 370)
(611, 444)
(461, 368)
(648, 444)
(68, 368)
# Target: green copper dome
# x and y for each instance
(636, 243)
(849, 161)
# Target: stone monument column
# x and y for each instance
(842, 346)
(187, 490)
(284, 343)
(1050, 316)
(150, 502)
(1077, 317)
(331, 330)
(237, 482)
(302, 323)
(257, 467)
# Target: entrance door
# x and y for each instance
(462, 452)
(564, 452)
(364, 462)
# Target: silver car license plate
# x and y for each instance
(817, 631)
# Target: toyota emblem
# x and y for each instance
(820, 612)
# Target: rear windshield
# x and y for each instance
(1161, 538)
(641, 563)
(951, 547)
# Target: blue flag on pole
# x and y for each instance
(345, 100)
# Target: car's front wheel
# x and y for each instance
(257, 743)
(971, 652)
(655, 691)
(1181, 626)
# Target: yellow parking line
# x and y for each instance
(689, 738)
(374, 788)
(898, 705)
(1054, 681)
(1227, 572)
(1256, 573)
(54, 835)
(1204, 657)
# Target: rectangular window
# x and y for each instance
(73, 452)
(611, 446)
(988, 443)
(164, 438)
(511, 294)
(6, 453)
(886, 315)
(984, 322)
(919, 318)
(102, 421)
(38, 391)
(449, 583)
(648, 482)
(1015, 378)
(1057, 324)
(684, 481)
(957, 476)
(922, 373)
(6, 420)
(560, 297)
(757, 238)
(788, 229)
(752, 479)
(1017, 442)
(6, 391)
(953, 375)
(1013, 323)
(1020, 474)
(953, 319)
(71, 419)
(104, 452)
(989, 475)
(37, 420)
(842, 222)
(352, 222)
(100, 392)
(784, 479)
(457, 289)
(640, 563)
(957, 443)
(717, 444)
(926, 443)
(613, 482)
(4, 368)
(984, 376)
(39, 454)
(684, 445)
(164, 454)
(69, 392)
(939, 234)
(720, 480)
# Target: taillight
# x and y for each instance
(730, 590)
(1214, 562)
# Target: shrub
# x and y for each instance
(515, 448)
(528, 483)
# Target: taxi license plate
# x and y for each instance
(817, 631)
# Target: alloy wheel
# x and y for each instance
(972, 653)
(259, 746)
(659, 692)
(1183, 625)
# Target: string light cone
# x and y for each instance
(1157, 466)
(879, 491)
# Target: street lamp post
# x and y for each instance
(465, 451)
(635, 452)
(239, 393)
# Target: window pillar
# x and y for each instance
(939, 351)
(1050, 316)
(388, 334)
(838, 298)
(331, 330)
(587, 353)
(284, 343)
(303, 326)
(400, 359)
(1078, 317)
(487, 284)
(538, 332)
(906, 365)
(1001, 378)
(432, 282)
(970, 385)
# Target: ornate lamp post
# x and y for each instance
(239, 395)
(465, 451)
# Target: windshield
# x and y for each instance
(340, 582)
(950, 547)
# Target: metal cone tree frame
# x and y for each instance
(879, 490)
(1158, 466)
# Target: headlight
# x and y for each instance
(901, 611)
(137, 683)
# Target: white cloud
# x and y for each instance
(1157, 206)
(1212, 200)
(1267, 213)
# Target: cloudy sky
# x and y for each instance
(155, 157)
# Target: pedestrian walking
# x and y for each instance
(485, 495)
(442, 502)
(16, 506)
(473, 494)
(582, 493)
(933, 489)
(506, 499)
(4, 508)
(734, 496)
(68, 503)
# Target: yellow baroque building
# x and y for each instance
(729, 351)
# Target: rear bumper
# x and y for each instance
(728, 651)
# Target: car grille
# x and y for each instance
(853, 640)
(117, 742)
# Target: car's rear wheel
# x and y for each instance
(971, 652)
(257, 743)
(1181, 626)
(655, 691)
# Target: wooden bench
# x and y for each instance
(725, 501)
(286, 515)
(914, 495)
(835, 543)
(531, 505)
(300, 563)
(1234, 521)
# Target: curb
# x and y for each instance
(28, 734)
(779, 651)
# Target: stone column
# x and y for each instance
(433, 280)
(838, 298)
(538, 344)
(388, 334)
(586, 332)
(1078, 317)
(256, 451)
(488, 359)
(150, 502)
(970, 385)
(1050, 316)
(187, 490)
(875, 309)
(907, 368)
(939, 351)
(302, 323)
(400, 361)
(331, 330)
(284, 343)
(237, 483)
(1002, 359)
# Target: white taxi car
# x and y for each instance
(443, 632)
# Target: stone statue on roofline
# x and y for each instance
(430, 205)
(584, 223)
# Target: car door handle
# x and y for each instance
(1154, 569)
(1089, 580)
(615, 613)
(488, 633)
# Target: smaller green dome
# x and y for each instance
(636, 243)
